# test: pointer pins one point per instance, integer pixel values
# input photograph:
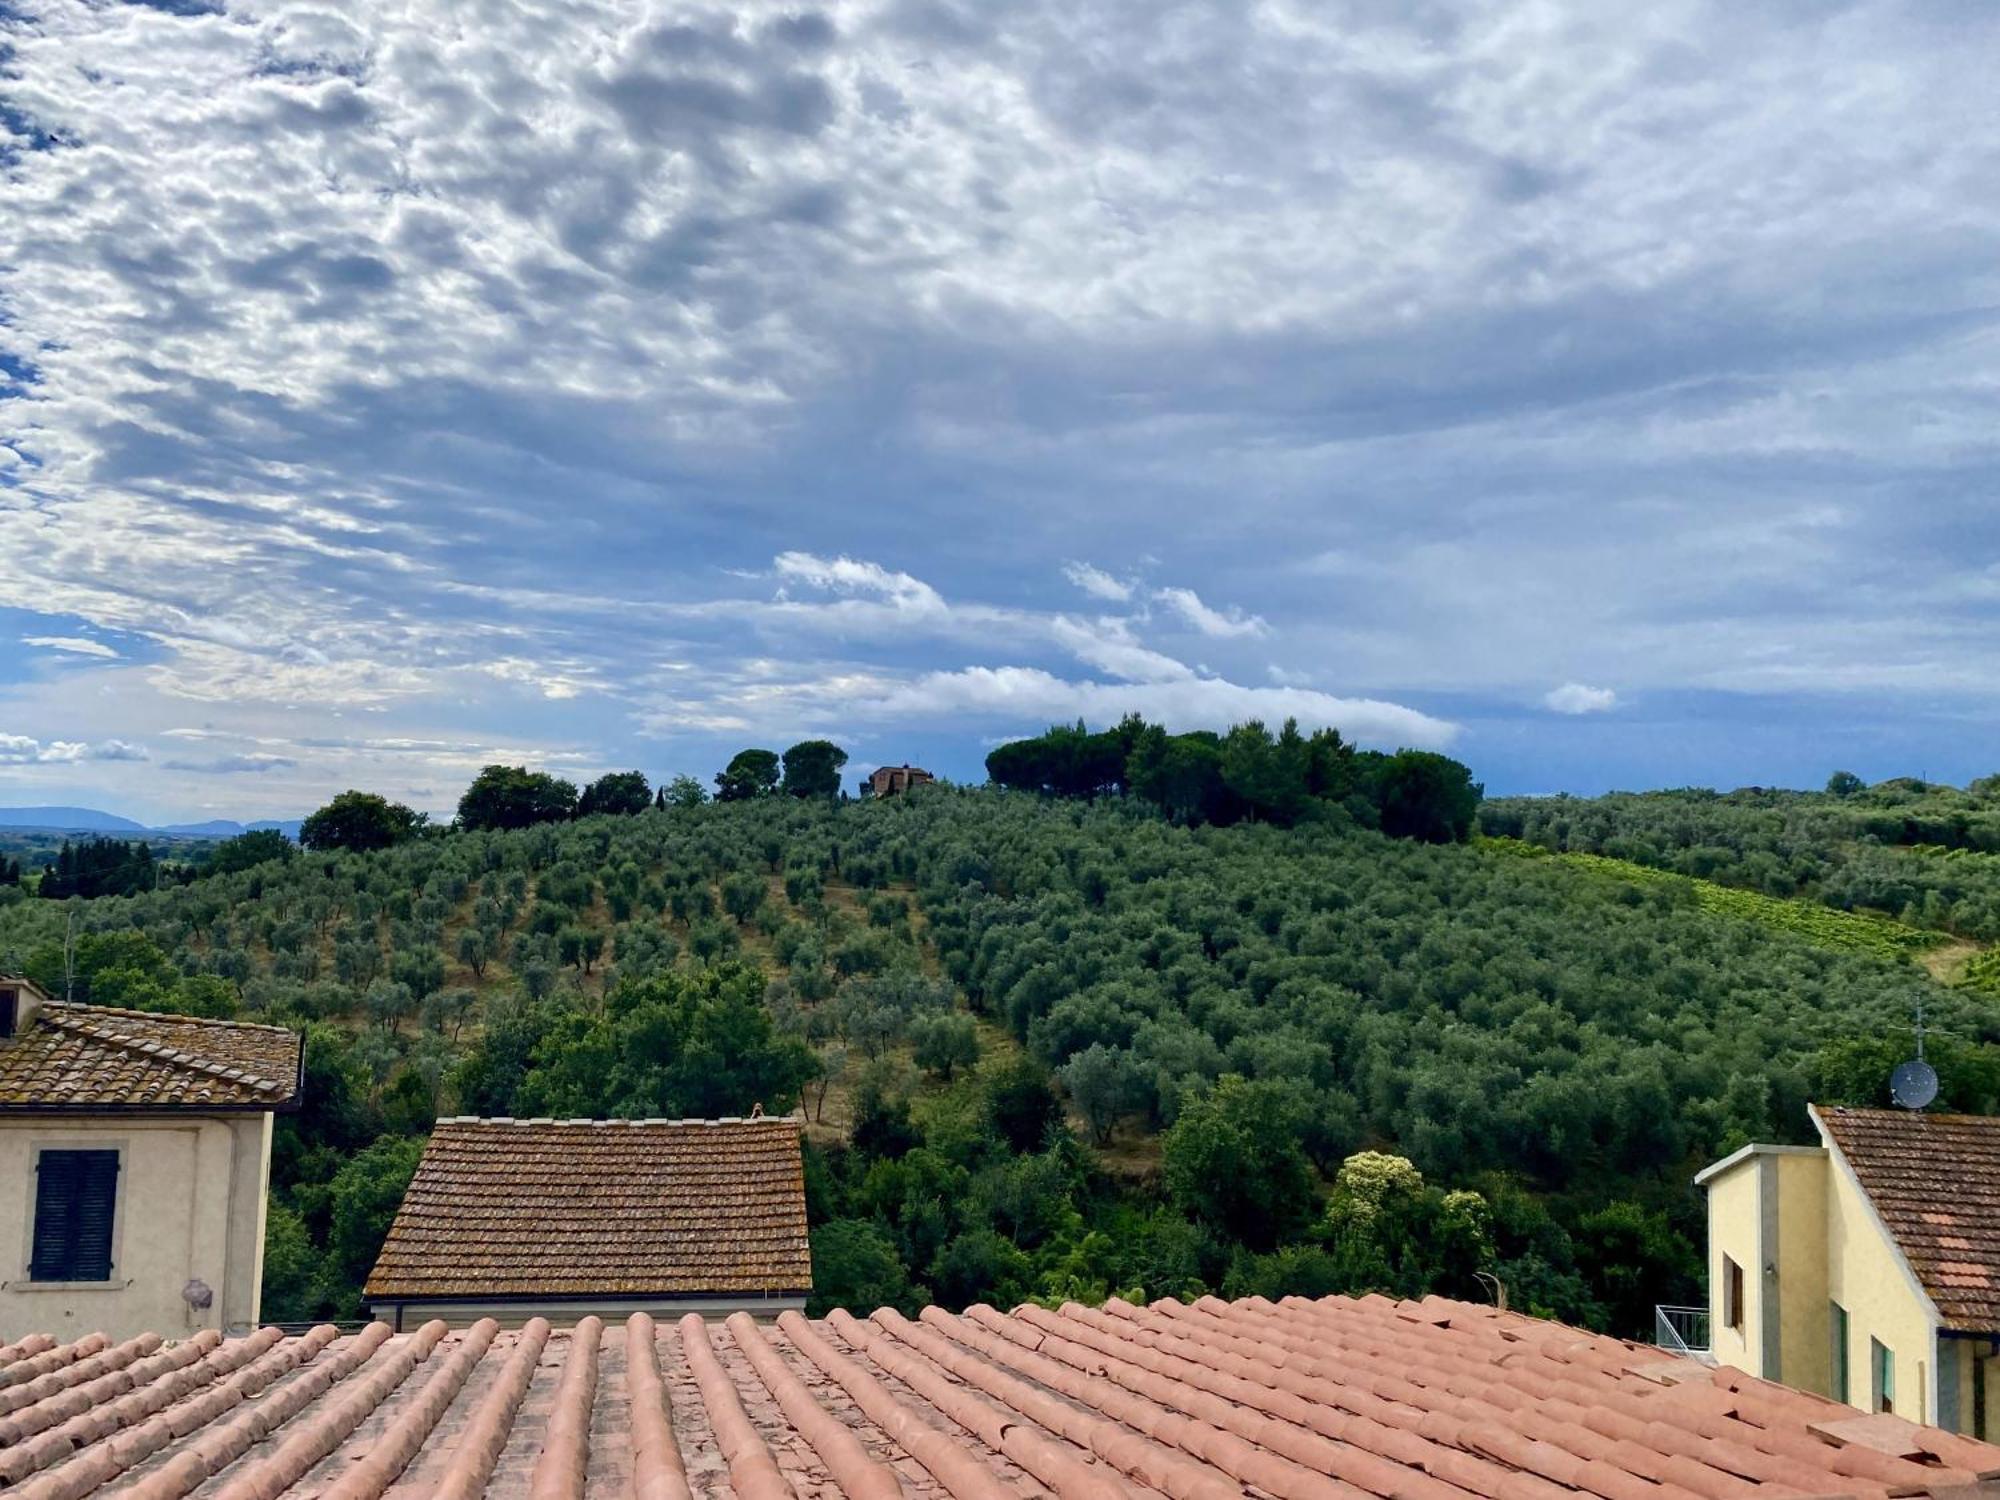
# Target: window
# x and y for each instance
(1837, 1335)
(76, 1194)
(10, 1009)
(1882, 1367)
(1979, 1363)
(1732, 1294)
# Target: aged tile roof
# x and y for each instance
(583, 1208)
(1214, 1401)
(1935, 1182)
(98, 1056)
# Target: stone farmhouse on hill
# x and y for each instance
(1326, 1400)
(887, 781)
(1866, 1268)
(514, 1219)
(135, 1155)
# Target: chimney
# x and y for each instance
(19, 1001)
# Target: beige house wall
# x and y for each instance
(191, 1204)
(1733, 1233)
(1991, 1428)
(1804, 1319)
(1807, 1238)
(1867, 1276)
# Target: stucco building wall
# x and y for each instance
(1883, 1301)
(1804, 1326)
(190, 1204)
(1733, 1235)
(1797, 1222)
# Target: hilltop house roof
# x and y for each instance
(99, 1057)
(1934, 1182)
(600, 1208)
(1431, 1400)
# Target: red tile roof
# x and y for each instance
(1215, 1401)
(90, 1057)
(583, 1208)
(1935, 1182)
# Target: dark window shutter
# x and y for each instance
(76, 1196)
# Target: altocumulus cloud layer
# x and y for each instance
(1605, 395)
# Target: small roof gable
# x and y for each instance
(92, 1057)
(1934, 1181)
(583, 1208)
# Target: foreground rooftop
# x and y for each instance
(1299, 1401)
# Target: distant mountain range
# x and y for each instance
(91, 820)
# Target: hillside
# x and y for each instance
(1926, 855)
(72, 820)
(66, 820)
(1567, 1043)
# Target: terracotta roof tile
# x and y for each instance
(1935, 1182)
(97, 1057)
(1219, 1401)
(586, 1208)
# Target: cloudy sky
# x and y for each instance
(1602, 393)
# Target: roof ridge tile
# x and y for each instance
(551, 1122)
(170, 1018)
(154, 1048)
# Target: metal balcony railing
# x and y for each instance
(1684, 1330)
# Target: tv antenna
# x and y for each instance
(1914, 1084)
(69, 953)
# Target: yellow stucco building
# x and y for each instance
(135, 1154)
(1866, 1268)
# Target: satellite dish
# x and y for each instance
(1914, 1084)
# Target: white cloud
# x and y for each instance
(1108, 645)
(1577, 698)
(782, 694)
(1214, 623)
(844, 575)
(20, 750)
(1030, 695)
(1097, 583)
(75, 644)
(552, 682)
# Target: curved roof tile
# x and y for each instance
(1214, 1401)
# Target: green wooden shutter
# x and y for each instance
(76, 1199)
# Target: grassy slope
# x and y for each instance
(1958, 962)
(1861, 932)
